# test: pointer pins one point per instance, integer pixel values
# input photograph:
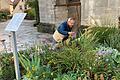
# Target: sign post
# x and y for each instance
(16, 62)
(13, 26)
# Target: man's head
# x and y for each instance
(71, 22)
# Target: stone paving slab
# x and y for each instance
(27, 36)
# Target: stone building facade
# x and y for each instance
(100, 11)
(21, 7)
(4, 4)
(51, 14)
(104, 12)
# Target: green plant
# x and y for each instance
(32, 66)
(0, 16)
(32, 62)
(61, 62)
(7, 67)
(71, 59)
(69, 76)
(4, 14)
(85, 42)
(30, 14)
(107, 62)
(34, 4)
(71, 62)
(117, 73)
(107, 36)
(113, 40)
(101, 33)
(75, 58)
(6, 11)
(116, 56)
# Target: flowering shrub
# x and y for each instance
(108, 60)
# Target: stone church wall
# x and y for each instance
(103, 11)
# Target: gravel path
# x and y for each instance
(27, 36)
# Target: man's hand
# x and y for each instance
(71, 33)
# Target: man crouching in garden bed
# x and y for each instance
(63, 32)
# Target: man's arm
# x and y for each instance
(62, 29)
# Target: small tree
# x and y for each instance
(35, 4)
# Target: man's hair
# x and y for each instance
(71, 18)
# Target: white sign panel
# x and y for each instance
(15, 22)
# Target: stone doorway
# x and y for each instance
(73, 9)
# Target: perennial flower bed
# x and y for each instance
(86, 58)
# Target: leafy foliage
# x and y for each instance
(33, 65)
(34, 4)
(101, 33)
(7, 67)
(4, 14)
(69, 76)
(114, 40)
(107, 36)
(30, 14)
(82, 58)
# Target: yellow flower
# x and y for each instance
(50, 62)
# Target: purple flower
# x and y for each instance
(74, 35)
(101, 52)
